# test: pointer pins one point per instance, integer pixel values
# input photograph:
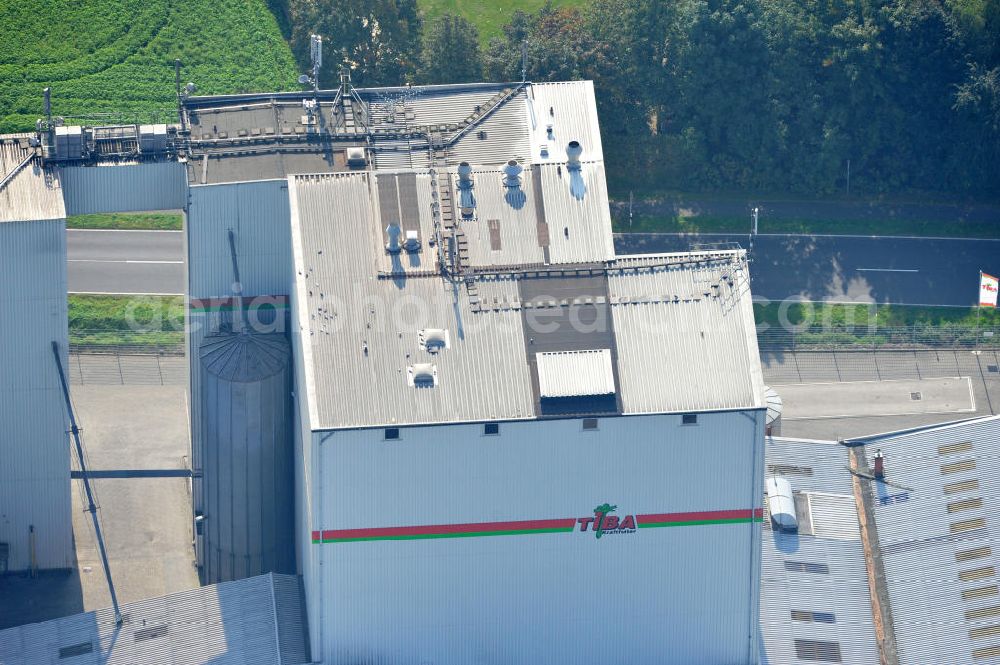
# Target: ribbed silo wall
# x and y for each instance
(34, 448)
(248, 494)
(124, 188)
(449, 546)
(258, 214)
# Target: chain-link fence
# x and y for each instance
(858, 338)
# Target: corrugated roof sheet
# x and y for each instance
(937, 518)
(573, 373)
(239, 622)
(571, 109)
(685, 333)
(27, 191)
(797, 602)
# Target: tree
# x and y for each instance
(379, 39)
(450, 52)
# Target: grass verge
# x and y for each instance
(152, 321)
(864, 316)
(127, 222)
(887, 227)
(488, 16)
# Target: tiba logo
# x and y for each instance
(604, 522)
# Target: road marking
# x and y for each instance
(120, 261)
(885, 270)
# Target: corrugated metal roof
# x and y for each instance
(571, 109)
(27, 191)
(798, 603)
(233, 622)
(577, 212)
(937, 528)
(124, 187)
(686, 337)
(572, 373)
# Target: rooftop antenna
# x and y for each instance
(177, 87)
(316, 56)
(524, 60)
(91, 505)
(47, 96)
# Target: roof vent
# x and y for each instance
(466, 201)
(433, 340)
(356, 157)
(512, 174)
(422, 375)
(412, 243)
(393, 232)
(573, 152)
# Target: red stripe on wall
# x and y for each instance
(703, 516)
(435, 529)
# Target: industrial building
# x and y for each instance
(422, 379)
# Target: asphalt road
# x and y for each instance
(919, 271)
(915, 271)
(145, 262)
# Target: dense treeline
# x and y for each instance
(708, 95)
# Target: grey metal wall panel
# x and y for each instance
(257, 212)
(659, 595)
(34, 449)
(124, 188)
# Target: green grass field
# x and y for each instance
(132, 221)
(489, 16)
(126, 320)
(863, 316)
(886, 227)
(116, 56)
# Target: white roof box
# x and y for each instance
(780, 503)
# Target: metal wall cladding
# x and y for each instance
(685, 594)
(257, 212)
(34, 448)
(256, 621)
(247, 474)
(943, 505)
(124, 188)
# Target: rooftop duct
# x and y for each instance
(412, 243)
(573, 152)
(356, 157)
(780, 504)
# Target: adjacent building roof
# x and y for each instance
(254, 621)
(814, 596)
(27, 191)
(937, 515)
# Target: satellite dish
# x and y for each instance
(190, 87)
(304, 79)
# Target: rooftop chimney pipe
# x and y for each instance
(879, 465)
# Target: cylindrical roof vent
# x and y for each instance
(573, 152)
(772, 420)
(465, 172)
(512, 174)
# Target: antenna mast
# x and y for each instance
(524, 60)
(316, 55)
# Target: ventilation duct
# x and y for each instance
(412, 243)
(356, 157)
(573, 152)
(780, 504)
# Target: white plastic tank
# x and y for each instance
(781, 504)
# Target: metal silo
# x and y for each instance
(246, 454)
